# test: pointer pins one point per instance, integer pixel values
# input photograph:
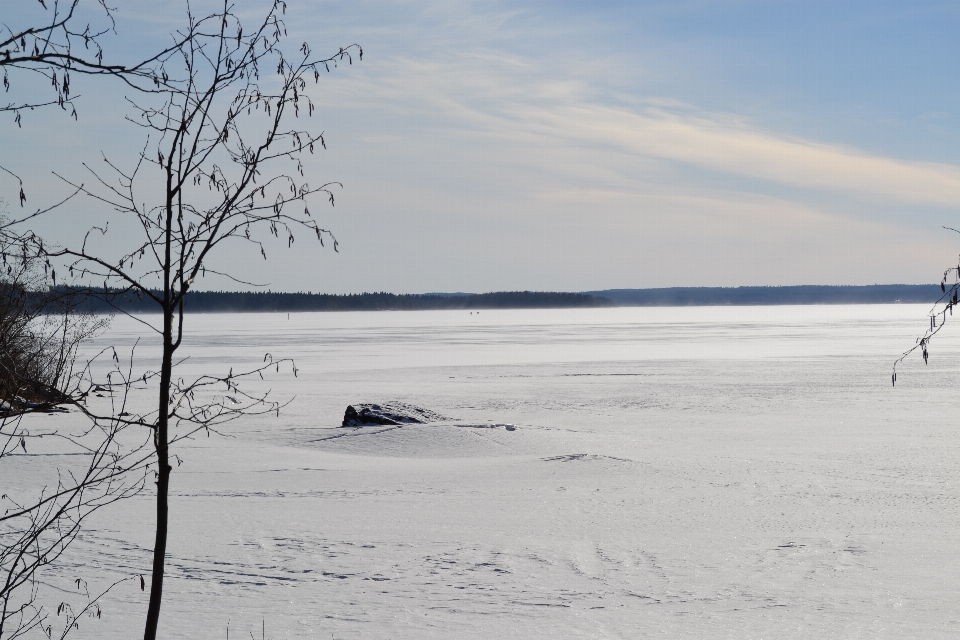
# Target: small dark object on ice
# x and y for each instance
(391, 414)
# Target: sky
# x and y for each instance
(487, 146)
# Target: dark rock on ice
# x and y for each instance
(394, 413)
(367, 415)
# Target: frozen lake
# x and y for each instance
(736, 472)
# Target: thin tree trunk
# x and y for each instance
(163, 457)
(163, 482)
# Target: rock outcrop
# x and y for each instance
(396, 413)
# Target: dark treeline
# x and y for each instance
(269, 301)
(745, 296)
(266, 301)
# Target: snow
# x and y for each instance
(678, 473)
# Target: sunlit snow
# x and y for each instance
(680, 473)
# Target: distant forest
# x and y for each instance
(268, 301)
(748, 296)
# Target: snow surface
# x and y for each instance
(676, 473)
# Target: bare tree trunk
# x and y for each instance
(163, 484)
(163, 419)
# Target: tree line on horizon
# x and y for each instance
(275, 301)
(270, 301)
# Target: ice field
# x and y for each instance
(735, 472)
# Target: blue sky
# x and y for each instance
(576, 146)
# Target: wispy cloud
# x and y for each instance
(506, 98)
(654, 189)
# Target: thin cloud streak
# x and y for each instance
(501, 97)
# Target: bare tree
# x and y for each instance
(942, 307)
(218, 142)
(40, 331)
(41, 328)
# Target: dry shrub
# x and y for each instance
(41, 328)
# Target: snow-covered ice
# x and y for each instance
(676, 473)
